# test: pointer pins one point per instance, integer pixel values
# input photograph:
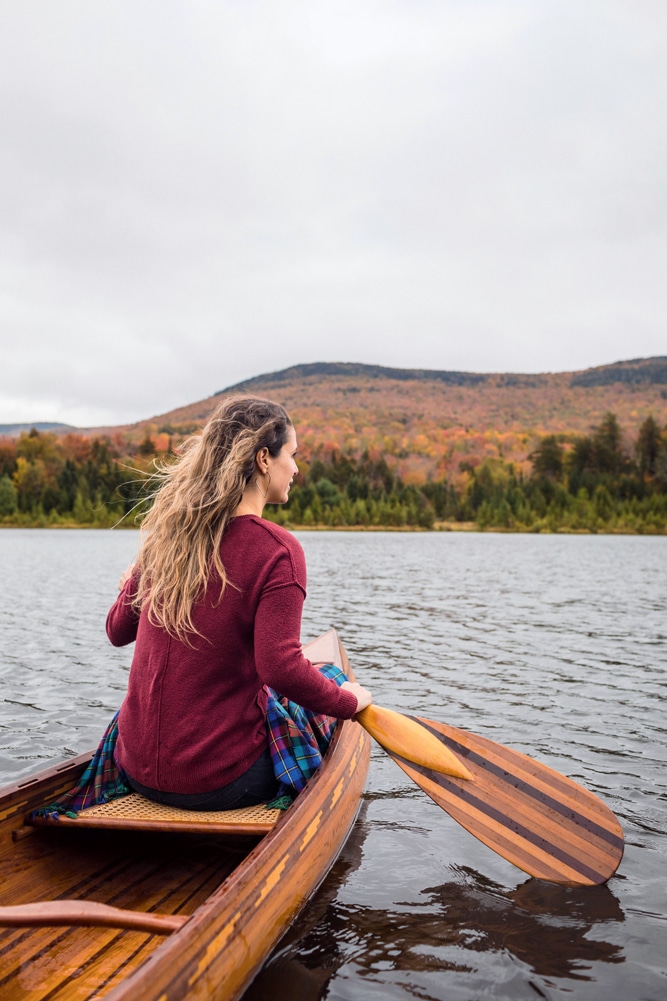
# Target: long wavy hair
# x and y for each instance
(193, 503)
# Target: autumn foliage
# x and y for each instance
(74, 479)
(590, 482)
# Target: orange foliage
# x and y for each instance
(424, 427)
(160, 442)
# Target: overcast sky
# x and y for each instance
(193, 193)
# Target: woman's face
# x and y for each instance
(282, 470)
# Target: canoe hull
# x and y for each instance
(217, 953)
(230, 933)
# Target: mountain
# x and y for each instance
(14, 430)
(428, 421)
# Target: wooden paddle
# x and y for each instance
(544, 823)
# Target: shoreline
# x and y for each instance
(438, 527)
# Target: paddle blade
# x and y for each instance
(544, 823)
(402, 735)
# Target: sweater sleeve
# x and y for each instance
(123, 619)
(280, 661)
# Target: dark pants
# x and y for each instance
(257, 785)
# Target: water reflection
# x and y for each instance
(554, 932)
(543, 925)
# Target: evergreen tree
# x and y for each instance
(648, 446)
(547, 458)
(607, 452)
(8, 497)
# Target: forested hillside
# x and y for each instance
(394, 447)
(425, 423)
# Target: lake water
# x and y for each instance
(554, 645)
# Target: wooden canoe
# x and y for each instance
(187, 916)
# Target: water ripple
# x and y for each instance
(554, 645)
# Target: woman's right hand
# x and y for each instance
(362, 695)
(125, 576)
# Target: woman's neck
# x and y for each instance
(252, 501)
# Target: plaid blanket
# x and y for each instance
(298, 739)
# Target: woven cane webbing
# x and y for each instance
(135, 812)
(135, 807)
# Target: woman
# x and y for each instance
(214, 605)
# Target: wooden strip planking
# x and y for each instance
(99, 983)
(61, 886)
(21, 886)
(111, 966)
(46, 970)
(489, 755)
(521, 811)
(531, 858)
(57, 954)
(539, 810)
(483, 811)
(97, 956)
(118, 883)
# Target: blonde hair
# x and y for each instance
(197, 496)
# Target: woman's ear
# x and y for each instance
(262, 460)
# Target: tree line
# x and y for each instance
(596, 482)
(50, 480)
(584, 483)
(591, 483)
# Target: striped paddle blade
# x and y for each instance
(544, 823)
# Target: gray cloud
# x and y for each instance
(194, 193)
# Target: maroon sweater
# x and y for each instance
(194, 717)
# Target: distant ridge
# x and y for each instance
(12, 430)
(352, 369)
(637, 371)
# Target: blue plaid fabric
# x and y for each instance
(298, 737)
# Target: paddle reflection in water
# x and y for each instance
(542, 929)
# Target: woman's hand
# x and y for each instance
(362, 695)
(125, 576)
